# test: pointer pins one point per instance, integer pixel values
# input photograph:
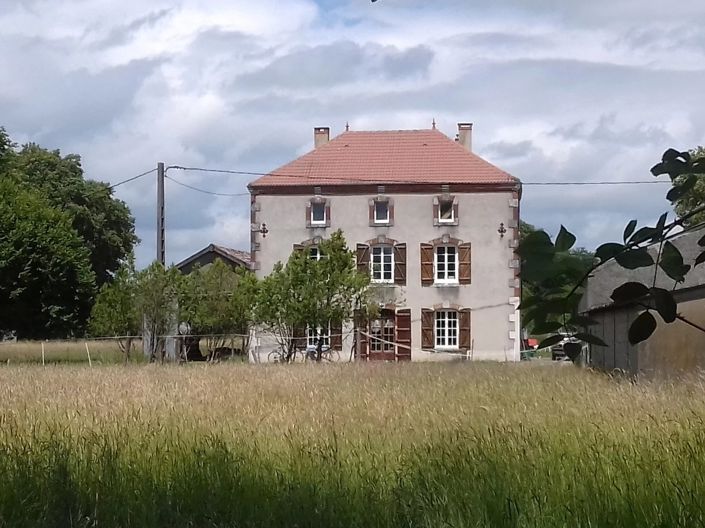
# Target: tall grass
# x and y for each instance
(347, 445)
(68, 351)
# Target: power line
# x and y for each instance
(128, 180)
(372, 182)
(204, 191)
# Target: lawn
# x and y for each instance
(347, 445)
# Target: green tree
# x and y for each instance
(696, 196)
(46, 281)
(159, 291)
(312, 293)
(102, 221)
(217, 302)
(115, 311)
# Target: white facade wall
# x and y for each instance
(492, 296)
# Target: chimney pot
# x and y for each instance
(465, 135)
(321, 136)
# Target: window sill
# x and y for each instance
(382, 283)
(446, 284)
(440, 223)
(380, 224)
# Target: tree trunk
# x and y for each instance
(319, 348)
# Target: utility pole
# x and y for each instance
(160, 213)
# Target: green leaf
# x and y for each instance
(701, 242)
(631, 226)
(635, 258)
(608, 251)
(672, 262)
(642, 234)
(629, 292)
(536, 243)
(550, 341)
(564, 240)
(589, 338)
(661, 224)
(700, 259)
(665, 304)
(671, 154)
(642, 328)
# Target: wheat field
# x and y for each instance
(412, 445)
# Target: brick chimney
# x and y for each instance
(321, 136)
(465, 135)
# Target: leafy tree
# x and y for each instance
(159, 291)
(312, 293)
(218, 302)
(115, 310)
(539, 256)
(695, 197)
(102, 221)
(46, 281)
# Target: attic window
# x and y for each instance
(381, 212)
(446, 212)
(318, 213)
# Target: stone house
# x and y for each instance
(434, 224)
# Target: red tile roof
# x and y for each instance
(387, 157)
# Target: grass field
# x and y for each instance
(102, 352)
(347, 445)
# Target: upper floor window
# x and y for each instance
(446, 214)
(446, 329)
(314, 253)
(446, 264)
(445, 210)
(381, 212)
(382, 264)
(318, 213)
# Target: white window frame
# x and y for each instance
(383, 249)
(442, 220)
(446, 330)
(312, 335)
(314, 253)
(325, 215)
(437, 261)
(377, 220)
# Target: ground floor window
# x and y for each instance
(446, 329)
(382, 335)
(313, 334)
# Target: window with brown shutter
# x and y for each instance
(426, 264)
(400, 264)
(427, 321)
(361, 347)
(403, 337)
(465, 329)
(465, 268)
(336, 336)
(363, 258)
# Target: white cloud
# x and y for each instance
(557, 90)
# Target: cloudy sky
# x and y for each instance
(559, 90)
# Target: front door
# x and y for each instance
(382, 332)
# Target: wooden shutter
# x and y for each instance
(336, 336)
(464, 324)
(464, 260)
(400, 264)
(298, 247)
(300, 336)
(426, 264)
(436, 209)
(427, 321)
(362, 341)
(327, 215)
(456, 219)
(391, 213)
(308, 214)
(372, 211)
(403, 337)
(363, 258)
